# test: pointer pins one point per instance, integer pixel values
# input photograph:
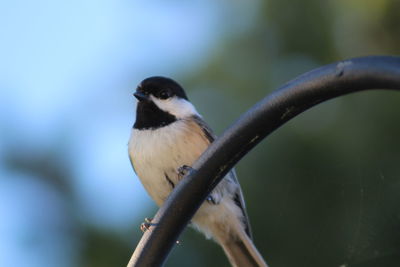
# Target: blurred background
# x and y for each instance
(321, 191)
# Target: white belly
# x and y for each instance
(158, 153)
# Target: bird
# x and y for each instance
(168, 134)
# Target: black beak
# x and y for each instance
(141, 97)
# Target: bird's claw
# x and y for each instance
(146, 224)
(211, 199)
(183, 170)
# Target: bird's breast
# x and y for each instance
(157, 154)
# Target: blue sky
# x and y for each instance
(69, 70)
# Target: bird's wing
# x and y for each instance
(238, 194)
(207, 131)
(239, 201)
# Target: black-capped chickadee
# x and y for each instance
(169, 133)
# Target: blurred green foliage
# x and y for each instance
(324, 189)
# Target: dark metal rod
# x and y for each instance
(296, 96)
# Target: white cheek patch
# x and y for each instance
(178, 107)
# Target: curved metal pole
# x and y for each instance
(270, 113)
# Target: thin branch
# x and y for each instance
(293, 98)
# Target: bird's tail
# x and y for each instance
(241, 251)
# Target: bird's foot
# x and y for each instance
(183, 170)
(210, 199)
(146, 224)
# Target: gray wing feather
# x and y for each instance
(217, 193)
(239, 200)
(208, 133)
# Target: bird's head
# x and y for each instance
(161, 101)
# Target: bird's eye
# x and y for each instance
(164, 94)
